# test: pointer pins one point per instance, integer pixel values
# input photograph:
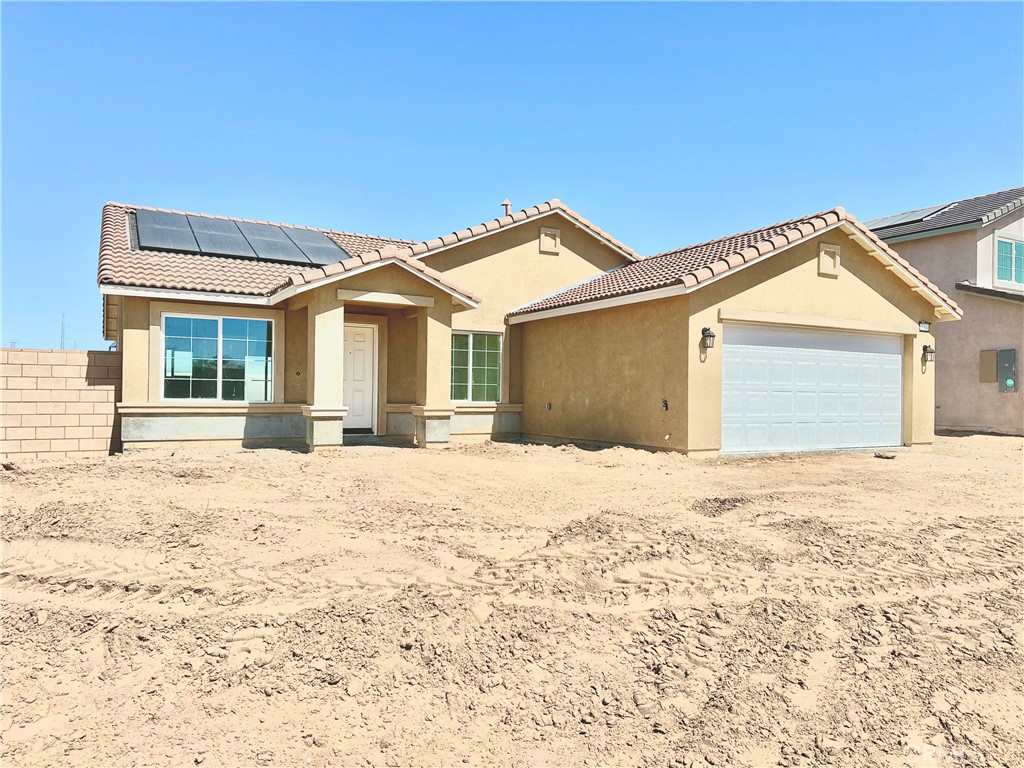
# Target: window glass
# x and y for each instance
(1018, 263)
(476, 367)
(1004, 260)
(460, 366)
(218, 358)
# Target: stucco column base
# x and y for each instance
(324, 425)
(433, 425)
(706, 454)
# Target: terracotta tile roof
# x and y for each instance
(976, 211)
(122, 263)
(695, 264)
(424, 248)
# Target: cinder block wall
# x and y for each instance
(58, 403)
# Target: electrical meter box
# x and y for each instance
(1006, 370)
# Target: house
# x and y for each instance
(239, 330)
(259, 333)
(974, 250)
(811, 334)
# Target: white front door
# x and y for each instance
(360, 376)
(796, 389)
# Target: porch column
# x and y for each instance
(325, 412)
(433, 409)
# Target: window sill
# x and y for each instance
(149, 409)
(463, 407)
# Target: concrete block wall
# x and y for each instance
(59, 403)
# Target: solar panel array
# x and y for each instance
(905, 218)
(159, 231)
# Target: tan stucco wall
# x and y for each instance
(506, 270)
(133, 342)
(606, 371)
(296, 371)
(962, 400)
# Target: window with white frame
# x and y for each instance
(218, 358)
(476, 367)
(1010, 262)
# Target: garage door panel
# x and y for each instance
(806, 373)
(796, 389)
(806, 433)
(871, 375)
(828, 373)
(891, 404)
(828, 404)
(871, 404)
(806, 404)
(756, 370)
(782, 404)
(755, 404)
(850, 403)
(782, 433)
(781, 372)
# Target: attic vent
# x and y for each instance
(550, 240)
(828, 260)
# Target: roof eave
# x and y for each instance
(183, 294)
(930, 232)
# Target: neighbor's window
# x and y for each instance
(476, 367)
(1010, 261)
(218, 358)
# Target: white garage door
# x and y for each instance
(787, 389)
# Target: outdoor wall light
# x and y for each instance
(707, 338)
(929, 353)
(924, 326)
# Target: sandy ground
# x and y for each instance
(501, 604)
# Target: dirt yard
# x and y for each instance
(511, 605)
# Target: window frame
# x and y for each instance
(469, 383)
(161, 373)
(1015, 242)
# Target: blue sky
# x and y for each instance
(665, 124)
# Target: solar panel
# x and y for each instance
(319, 248)
(224, 237)
(271, 243)
(161, 231)
(215, 244)
(213, 226)
(907, 217)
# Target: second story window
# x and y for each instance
(1009, 262)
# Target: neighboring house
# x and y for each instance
(244, 331)
(270, 334)
(974, 250)
(811, 334)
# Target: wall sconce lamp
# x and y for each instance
(928, 353)
(924, 326)
(707, 338)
